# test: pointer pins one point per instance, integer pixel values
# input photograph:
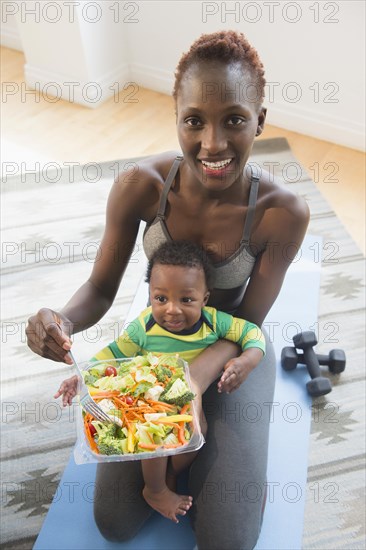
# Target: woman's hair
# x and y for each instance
(225, 47)
(185, 254)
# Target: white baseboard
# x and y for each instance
(317, 125)
(152, 77)
(10, 39)
(91, 93)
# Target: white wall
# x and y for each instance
(327, 56)
(104, 42)
(313, 53)
(10, 36)
(73, 50)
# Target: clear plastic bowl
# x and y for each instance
(83, 454)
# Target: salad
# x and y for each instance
(149, 401)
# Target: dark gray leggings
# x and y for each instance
(227, 479)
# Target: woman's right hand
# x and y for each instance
(48, 334)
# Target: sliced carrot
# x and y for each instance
(98, 394)
(134, 416)
(153, 446)
(90, 439)
(150, 446)
(121, 404)
(185, 408)
(181, 437)
(87, 418)
(160, 404)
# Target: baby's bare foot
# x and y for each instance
(167, 503)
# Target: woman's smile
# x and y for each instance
(217, 168)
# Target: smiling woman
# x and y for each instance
(212, 196)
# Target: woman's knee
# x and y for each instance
(112, 528)
(119, 508)
(121, 524)
(227, 534)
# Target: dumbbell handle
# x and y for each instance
(322, 359)
(311, 361)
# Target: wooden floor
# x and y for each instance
(66, 132)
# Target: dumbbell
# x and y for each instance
(336, 360)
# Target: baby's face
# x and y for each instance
(177, 296)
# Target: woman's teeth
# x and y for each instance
(216, 165)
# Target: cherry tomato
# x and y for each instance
(110, 371)
(92, 429)
(129, 400)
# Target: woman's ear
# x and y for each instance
(261, 120)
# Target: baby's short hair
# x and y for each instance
(185, 254)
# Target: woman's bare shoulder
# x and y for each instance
(276, 194)
(150, 168)
(137, 187)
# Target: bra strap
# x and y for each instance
(167, 185)
(254, 185)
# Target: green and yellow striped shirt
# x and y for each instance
(144, 335)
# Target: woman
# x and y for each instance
(245, 222)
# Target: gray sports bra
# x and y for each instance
(230, 273)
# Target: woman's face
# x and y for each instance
(218, 118)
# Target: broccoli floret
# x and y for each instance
(109, 442)
(162, 373)
(182, 399)
(110, 446)
(177, 393)
(89, 379)
(106, 430)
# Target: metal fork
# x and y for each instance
(86, 400)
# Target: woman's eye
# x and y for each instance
(235, 121)
(193, 121)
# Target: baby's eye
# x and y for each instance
(160, 299)
(187, 300)
(193, 121)
(235, 121)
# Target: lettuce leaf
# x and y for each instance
(142, 387)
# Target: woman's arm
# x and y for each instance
(287, 227)
(206, 368)
(48, 331)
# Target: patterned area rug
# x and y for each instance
(51, 226)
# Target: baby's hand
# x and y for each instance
(68, 390)
(236, 370)
(234, 374)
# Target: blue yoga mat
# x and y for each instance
(295, 310)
